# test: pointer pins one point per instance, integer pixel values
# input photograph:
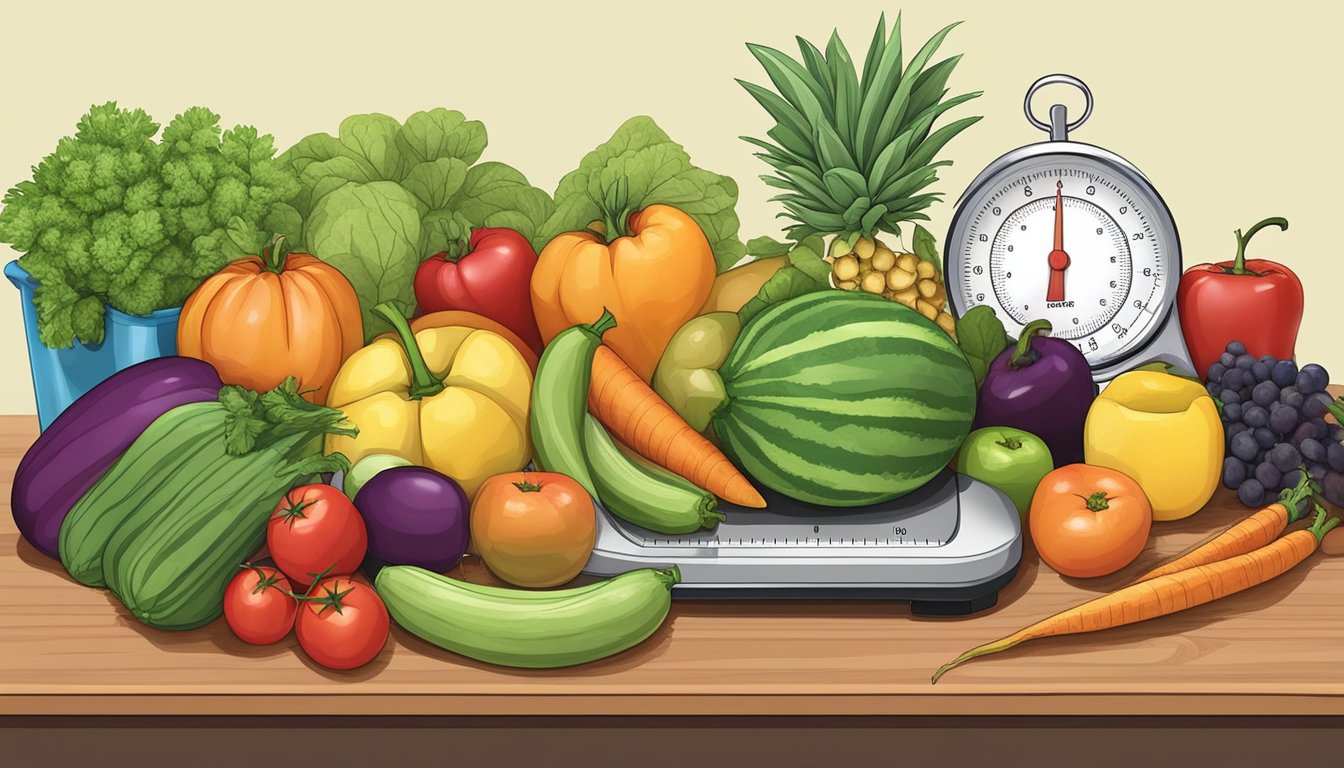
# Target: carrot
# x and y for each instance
(1255, 531)
(1168, 594)
(626, 405)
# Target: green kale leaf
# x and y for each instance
(807, 272)
(382, 196)
(981, 336)
(650, 169)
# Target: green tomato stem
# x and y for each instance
(423, 382)
(1023, 355)
(1097, 502)
(1239, 263)
(1009, 442)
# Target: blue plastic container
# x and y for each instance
(60, 376)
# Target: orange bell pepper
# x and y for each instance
(653, 271)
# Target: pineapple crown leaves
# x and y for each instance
(852, 150)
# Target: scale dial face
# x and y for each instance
(1076, 240)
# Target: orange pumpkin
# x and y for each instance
(263, 318)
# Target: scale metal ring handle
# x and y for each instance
(1058, 127)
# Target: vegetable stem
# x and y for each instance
(1024, 355)
(454, 251)
(275, 254)
(1009, 442)
(1239, 263)
(423, 382)
(1098, 501)
(527, 487)
(1321, 526)
(604, 323)
(616, 210)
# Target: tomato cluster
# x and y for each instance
(317, 539)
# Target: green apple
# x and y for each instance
(1011, 460)
(366, 468)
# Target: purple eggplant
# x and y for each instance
(415, 516)
(1043, 385)
(89, 436)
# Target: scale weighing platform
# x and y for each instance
(948, 548)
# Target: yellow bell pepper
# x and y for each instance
(1164, 432)
(454, 399)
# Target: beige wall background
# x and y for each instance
(1231, 108)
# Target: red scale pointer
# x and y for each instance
(1059, 260)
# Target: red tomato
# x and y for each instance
(258, 607)
(316, 529)
(342, 624)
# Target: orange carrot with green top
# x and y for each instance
(627, 406)
(1168, 594)
(1252, 533)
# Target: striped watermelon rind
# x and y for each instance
(844, 399)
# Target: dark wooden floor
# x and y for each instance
(997, 742)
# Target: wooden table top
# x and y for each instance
(1276, 649)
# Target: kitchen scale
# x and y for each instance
(1074, 234)
(1059, 229)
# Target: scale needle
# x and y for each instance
(1059, 260)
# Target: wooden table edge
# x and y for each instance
(372, 704)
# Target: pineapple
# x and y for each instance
(853, 152)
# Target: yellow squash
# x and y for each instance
(451, 398)
(1164, 432)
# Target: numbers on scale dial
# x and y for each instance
(1094, 282)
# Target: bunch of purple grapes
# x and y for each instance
(1275, 427)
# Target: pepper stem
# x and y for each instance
(1239, 263)
(1097, 502)
(1023, 355)
(274, 255)
(616, 210)
(455, 250)
(423, 383)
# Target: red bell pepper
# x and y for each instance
(1254, 301)
(491, 275)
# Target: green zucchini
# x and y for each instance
(516, 629)
(153, 459)
(646, 495)
(560, 400)
(173, 576)
(167, 526)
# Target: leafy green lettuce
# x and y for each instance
(654, 169)
(807, 272)
(381, 196)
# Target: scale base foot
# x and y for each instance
(939, 608)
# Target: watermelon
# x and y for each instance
(843, 399)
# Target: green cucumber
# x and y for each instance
(570, 627)
(169, 442)
(560, 400)
(173, 575)
(646, 495)
(166, 528)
